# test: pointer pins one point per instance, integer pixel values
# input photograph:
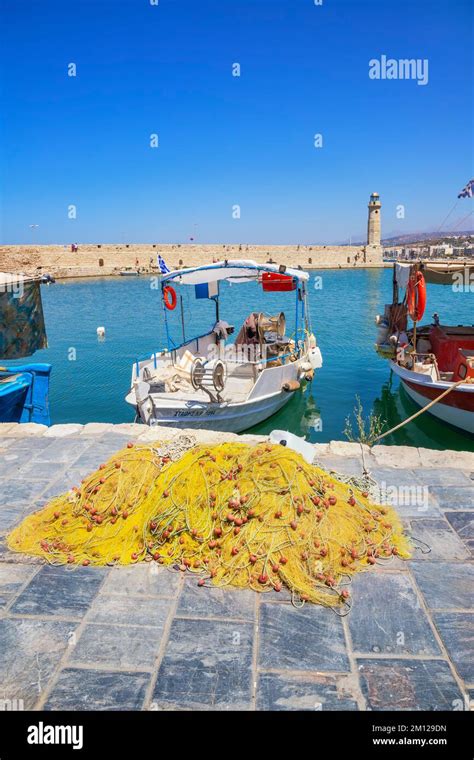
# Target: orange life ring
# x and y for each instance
(416, 297)
(169, 297)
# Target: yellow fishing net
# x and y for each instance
(240, 515)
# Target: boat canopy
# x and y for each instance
(233, 270)
(435, 273)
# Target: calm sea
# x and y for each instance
(90, 378)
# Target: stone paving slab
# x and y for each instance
(387, 617)
(12, 577)
(277, 691)
(143, 637)
(406, 491)
(128, 610)
(11, 516)
(445, 585)
(5, 599)
(79, 689)
(457, 631)
(127, 647)
(291, 639)
(62, 450)
(216, 602)
(60, 591)
(453, 497)
(31, 651)
(463, 524)
(445, 476)
(143, 579)
(207, 665)
(23, 492)
(408, 685)
(443, 541)
(351, 466)
(400, 476)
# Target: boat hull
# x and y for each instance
(24, 394)
(457, 408)
(13, 394)
(230, 417)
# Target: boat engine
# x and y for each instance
(207, 376)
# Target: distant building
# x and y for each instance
(440, 251)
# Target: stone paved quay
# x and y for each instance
(144, 637)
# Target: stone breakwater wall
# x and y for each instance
(98, 260)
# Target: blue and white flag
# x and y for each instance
(468, 191)
(161, 263)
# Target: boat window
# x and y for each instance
(462, 372)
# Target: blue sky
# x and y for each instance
(224, 140)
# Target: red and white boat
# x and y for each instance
(430, 360)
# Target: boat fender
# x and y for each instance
(169, 297)
(315, 357)
(290, 386)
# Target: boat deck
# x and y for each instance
(236, 389)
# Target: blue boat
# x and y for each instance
(24, 393)
(24, 388)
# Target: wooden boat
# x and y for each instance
(24, 389)
(432, 359)
(212, 382)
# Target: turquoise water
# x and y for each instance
(91, 378)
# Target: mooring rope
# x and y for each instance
(418, 413)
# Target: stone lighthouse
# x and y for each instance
(373, 224)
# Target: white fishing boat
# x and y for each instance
(214, 381)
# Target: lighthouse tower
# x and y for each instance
(373, 224)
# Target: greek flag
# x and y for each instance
(161, 263)
(468, 191)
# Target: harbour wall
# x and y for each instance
(98, 260)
